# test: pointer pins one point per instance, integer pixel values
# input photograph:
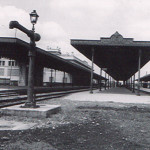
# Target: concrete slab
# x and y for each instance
(118, 95)
(15, 125)
(43, 111)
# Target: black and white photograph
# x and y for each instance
(74, 75)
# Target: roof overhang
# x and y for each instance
(119, 55)
(17, 49)
(144, 78)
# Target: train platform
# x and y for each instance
(114, 118)
(118, 94)
(145, 90)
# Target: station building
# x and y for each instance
(9, 72)
(14, 73)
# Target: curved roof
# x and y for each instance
(119, 55)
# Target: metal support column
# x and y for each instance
(64, 80)
(91, 88)
(133, 90)
(100, 84)
(110, 81)
(105, 81)
(131, 83)
(55, 77)
(139, 67)
(51, 77)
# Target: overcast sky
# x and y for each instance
(62, 20)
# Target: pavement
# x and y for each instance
(118, 94)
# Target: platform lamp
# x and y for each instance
(33, 17)
(31, 102)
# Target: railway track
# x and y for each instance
(6, 101)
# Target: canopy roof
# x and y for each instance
(145, 78)
(119, 55)
(17, 49)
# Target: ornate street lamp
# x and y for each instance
(33, 17)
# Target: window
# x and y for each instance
(13, 72)
(9, 63)
(1, 71)
(12, 63)
(2, 63)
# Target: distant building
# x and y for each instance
(75, 60)
(9, 72)
(12, 73)
(52, 76)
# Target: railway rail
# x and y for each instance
(20, 99)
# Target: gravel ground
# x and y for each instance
(84, 126)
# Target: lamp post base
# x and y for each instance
(30, 105)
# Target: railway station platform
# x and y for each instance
(145, 90)
(117, 94)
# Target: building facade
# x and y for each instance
(14, 73)
(9, 72)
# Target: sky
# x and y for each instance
(62, 20)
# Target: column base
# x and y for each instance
(30, 105)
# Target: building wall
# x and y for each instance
(13, 73)
(9, 71)
(16, 73)
(55, 76)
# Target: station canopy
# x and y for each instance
(145, 78)
(14, 48)
(116, 54)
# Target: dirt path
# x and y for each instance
(84, 126)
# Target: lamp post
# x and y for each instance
(34, 37)
(30, 92)
(33, 17)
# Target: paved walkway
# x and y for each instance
(121, 95)
(145, 89)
